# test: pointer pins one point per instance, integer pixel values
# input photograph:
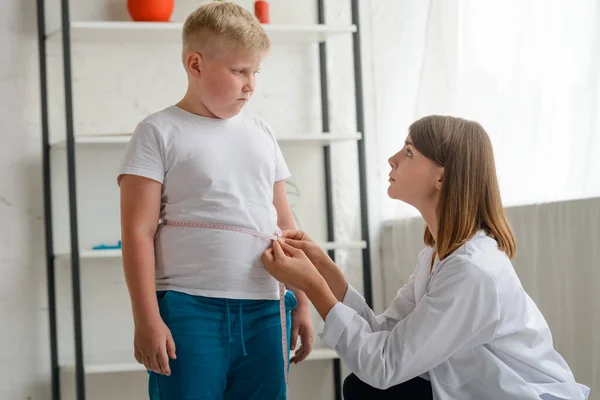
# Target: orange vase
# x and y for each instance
(261, 10)
(150, 10)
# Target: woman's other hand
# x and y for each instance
(300, 240)
(320, 259)
(291, 266)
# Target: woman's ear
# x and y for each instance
(440, 179)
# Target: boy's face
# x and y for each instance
(225, 82)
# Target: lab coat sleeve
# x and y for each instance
(460, 308)
(403, 304)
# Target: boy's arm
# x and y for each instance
(302, 324)
(140, 208)
(285, 221)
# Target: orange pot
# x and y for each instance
(150, 10)
(261, 10)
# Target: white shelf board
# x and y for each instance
(96, 140)
(319, 138)
(106, 368)
(359, 244)
(132, 366)
(322, 354)
(170, 32)
(103, 254)
(91, 254)
(117, 139)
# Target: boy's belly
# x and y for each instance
(212, 263)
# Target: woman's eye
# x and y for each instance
(409, 152)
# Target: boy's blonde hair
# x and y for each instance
(221, 25)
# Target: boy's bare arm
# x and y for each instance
(301, 323)
(140, 209)
(285, 221)
(285, 217)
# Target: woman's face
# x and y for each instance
(414, 179)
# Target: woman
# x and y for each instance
(463, 326)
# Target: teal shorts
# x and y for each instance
(226, 349)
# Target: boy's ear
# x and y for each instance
(194, 64)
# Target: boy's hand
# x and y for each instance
(153, 344)
(301, 326)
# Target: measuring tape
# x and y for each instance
(239, 229)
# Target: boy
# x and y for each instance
(192, 165)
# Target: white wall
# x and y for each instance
(115, 86)
(24, 365)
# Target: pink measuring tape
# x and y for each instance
(238, 229)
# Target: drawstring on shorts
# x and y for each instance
(241, 326)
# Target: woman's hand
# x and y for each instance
(291, 266)
(319, 258)
(300, 240)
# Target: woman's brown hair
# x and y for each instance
(470, 197)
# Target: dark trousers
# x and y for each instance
(415, 389)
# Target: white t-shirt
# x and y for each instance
(215, 171)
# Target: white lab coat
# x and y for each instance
(469, 327)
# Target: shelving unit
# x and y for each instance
(118, 32)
